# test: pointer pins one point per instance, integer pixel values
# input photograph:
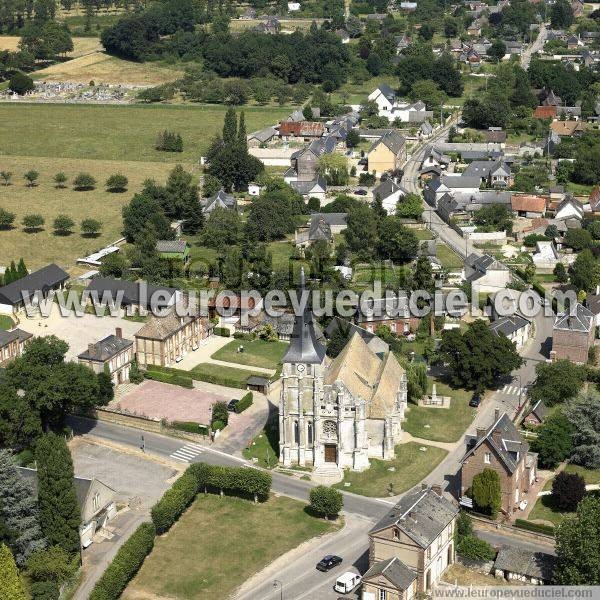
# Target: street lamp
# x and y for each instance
(277, 584)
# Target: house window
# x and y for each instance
(310, 433)
(296, 433)
(486, 458)
(382, 594)
(396, 534)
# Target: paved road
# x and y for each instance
(534, 48)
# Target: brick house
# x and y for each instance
(573, 335)
(164, 341)
(12, 344)
(393, 312)
(537, 414)
(411, 546)
(113, 352)
(500, 447)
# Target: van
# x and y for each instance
(347, 582)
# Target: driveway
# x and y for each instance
(138, 482)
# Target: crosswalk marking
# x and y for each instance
(187, 453)
(514, 390)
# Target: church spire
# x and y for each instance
(304, 346)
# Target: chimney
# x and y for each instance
(480, 433)
(119, 332)
(497, 437)
(437, 488)
(91, 348)
(496, 414)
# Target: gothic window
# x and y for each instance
(296, 433)
(310, 435)
(330, 429)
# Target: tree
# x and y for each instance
(339, 338)
(487, 492)
(19, 509)
(63, 225)
(352, 139)
(220, 414)
(6, 219)
(51, 564)
(106, 388)
(334, 167)
(494, 217)
(361, 231)
(91, 227)
(410, 207)
(554, 441)
(556, 382)
(84, 182)
(33, 222)
(474, 548)
(497, 50)
(560, 273)
(578, 239)
(12, 586)
(568, 490)
(561, 15)
(60, 179)
(428, 91)
(477, 358)
(113, 265)
(142, 212)
(31, 178)
(585, 271)
(584, 416)
(20, 83)
(6, 177)
(117, 183)
(222, 230)
(577, 548)
(326, 501)
(396, 242)
(59, 512)
(422, 278)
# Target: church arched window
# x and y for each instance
(296, 432)
(330, 429)
(310, 435)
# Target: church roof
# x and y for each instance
(366, 375)
(304, 347)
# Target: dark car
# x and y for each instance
(475, 400)
(328, 562)
(231, 405)
(360, 192)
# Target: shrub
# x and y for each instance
(21, 83)
(190, 427)
(60, 179)
(218, 425)
(464, 525)
(475, 548)
(84, 182)
(220, 413)
(486, 492)
(51, 564)
(171, 378)
(44, 590)
(168, 141)
(117, 183)
(568, 490)
(367, 179)
(222, 331)
(126, 564)
(244, 403)
(174, 501)
(326, 501)
(537, 527)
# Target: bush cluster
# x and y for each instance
(222, 331)
(326, 501)
(244, 403)
(172, 378)
(126, 564)
(190, 427)
(168, 141)
(470, 546)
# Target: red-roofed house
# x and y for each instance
(304, 129)
(528, 206)
(595, 199)
(545, 112)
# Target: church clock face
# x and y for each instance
(300, 368)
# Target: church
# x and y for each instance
(339, 412)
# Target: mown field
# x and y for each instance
(80, 45)
(120, 133)
(40, 248)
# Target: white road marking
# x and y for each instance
(187, 452)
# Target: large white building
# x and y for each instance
(338, 413)
(390, 107)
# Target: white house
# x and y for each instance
(545, 255)
(389, 192)
(569, 208)
(515, 327)
(293, 6)
(389, 106)
(254, 189)
(485, 273)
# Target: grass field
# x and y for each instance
(40, 248)
(81, 45)
(410, 466)
(238, 376)
(257, 353)
(219, 543)
(6, 322)
(441, 424)
(265, 446)
(544, 510)
(591, 476)
(102, 68)
(117, 132)
(448, 258)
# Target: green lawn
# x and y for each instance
(223, 375)
(219, 543)
(6, 322)
(591, 476)
(410, 466)
(423, 234)
(448, 258)
(265, 446)
(544, 510)
(257, 353)
(441, 424)
(76, 130)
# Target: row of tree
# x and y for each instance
(117, 182)
(62, 224)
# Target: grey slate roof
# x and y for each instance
(421, 514)
(40, 281)
(131, 290)
(540, 410)
(171, 246)
(105, 349)
(511, 447)
(508, 325)
(387, 91)
(319, 229)
(580, 318)
(263, 135)
(392, 140)
(6, 337)
(387, 188)
(394, 570)
(523, 562)
(303, 187)
(304, 346)
(332, 219)
(220, 200)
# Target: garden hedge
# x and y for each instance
(190, 427)
(536, 527)
(125, 564)
(174, 502)
(172, 378)
(222, 331)
(244, 403)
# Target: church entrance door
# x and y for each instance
(330, 453)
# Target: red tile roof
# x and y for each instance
(544, 112)
(528, 203)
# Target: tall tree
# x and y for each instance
(11, 587)
(487, 491)
(241, 133)
(59, 512)
(230, 127)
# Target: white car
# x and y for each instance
(347, 582)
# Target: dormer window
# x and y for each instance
(486, 458)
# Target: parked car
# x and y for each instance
(475, 400)
(361, 192)
(231, 405)
(347, 582)
(328, 562)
